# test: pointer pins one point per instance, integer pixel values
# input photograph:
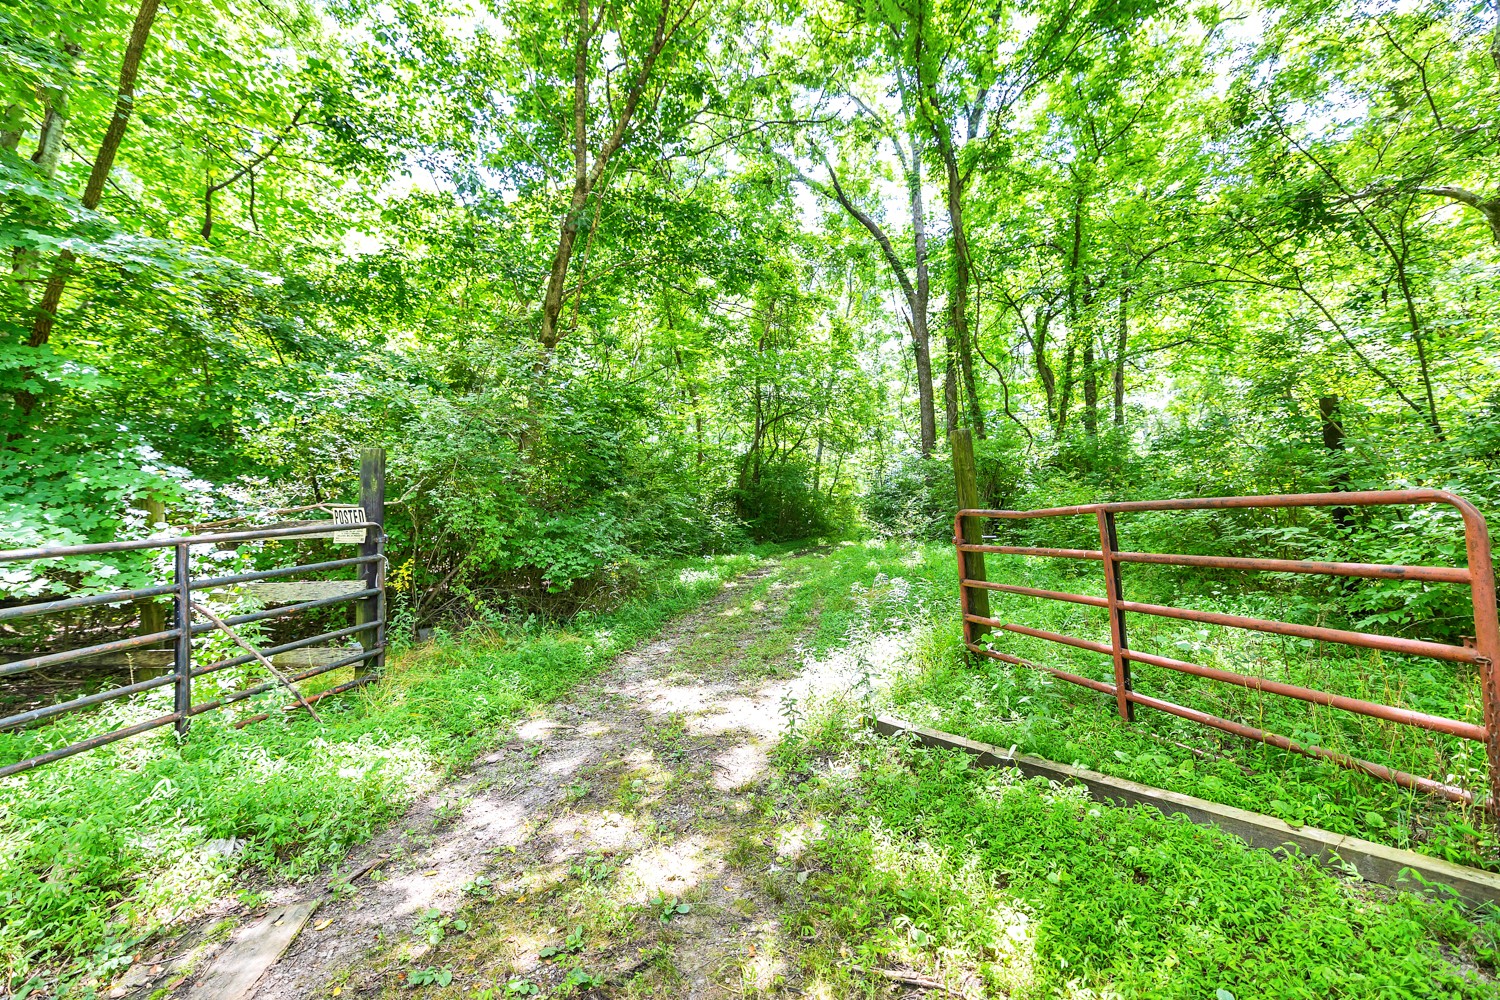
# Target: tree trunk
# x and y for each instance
(586, 178)
(917, 294)
(1090, 390)
(1065, 391)
(921, 338)
(1417, 337)
(950, 391)
(1041, 324)
(958, 296)
(49, 149)
(1122, 342)
(11, 138)
(140, 32)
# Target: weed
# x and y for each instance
(594, 868)
(429, 977)
(669, 736)
(578, 980)
(571, 945)
(667, 908)
(433, 926)
(479, 886)
(447, 811)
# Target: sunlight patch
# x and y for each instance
(671, 869)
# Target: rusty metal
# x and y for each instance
(1478, 575)
(370, 564)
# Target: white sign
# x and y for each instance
(348, 514)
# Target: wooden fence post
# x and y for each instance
(152, 613)
(966, 478)
(370, 609)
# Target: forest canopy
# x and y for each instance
(613, 280)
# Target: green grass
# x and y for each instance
(929, 863)
(100, 850)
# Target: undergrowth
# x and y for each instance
(99, 850)
(971, 876)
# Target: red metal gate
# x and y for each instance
(1478, 575)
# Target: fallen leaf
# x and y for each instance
(322, 925)
(431, 873)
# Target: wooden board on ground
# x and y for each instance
(1374, 862)
(235, 972)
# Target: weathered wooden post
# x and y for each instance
(966, 478)
(372, 609)
(152, 614)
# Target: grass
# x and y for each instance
(100, 850)
(931, 865)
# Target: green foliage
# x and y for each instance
(931, 862)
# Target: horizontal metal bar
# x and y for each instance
(1103, 687)
(290, 609)
(68, 604)
(1436, 723)
(1390, 713)
(1357, 498)
(49, 659)
(1389, 643)
(1051, 595)
(88, 744)
(1026, 550)
(61, 551)
(1373, 571)
(37, 714)
(1401, 778)
(267, 574)
(285, 647)
(1036, 633)
(229, 699)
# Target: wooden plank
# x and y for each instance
(295, 591)
(1374, 862)
(237, 970)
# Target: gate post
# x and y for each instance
(1486, 639)
(182, 659)
(975, 601)
(152, 613)
(1109, 544)
(372, 609)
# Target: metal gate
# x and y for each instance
(192, 619)
(1478, 575)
